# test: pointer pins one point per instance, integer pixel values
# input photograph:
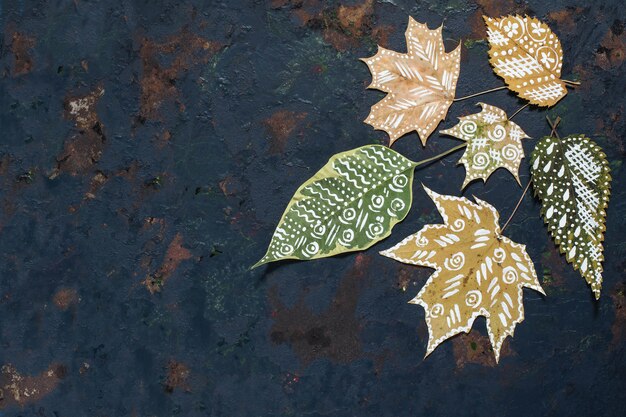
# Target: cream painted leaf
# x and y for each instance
(478, 272)
(528, 55)
(351, 203)
(493, 141)
(421, 83)
(572, 179)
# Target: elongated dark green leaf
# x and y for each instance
(351, 203)
(571, 178)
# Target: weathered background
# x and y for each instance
(147, 151)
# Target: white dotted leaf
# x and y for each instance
(572, 179)
(528, 55)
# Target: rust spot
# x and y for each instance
(492, 8)
(281, 126)
(20, 390)
(343, 27)
(174, 255)
(230, 186)
(567, 18)
(612, 50)
(65, 298)
(182, 51)
(475, 348)
(21, 45)
(84, 148)
(404, 279)
(97, 181)
(84, 368)
(381, 35)
(332, 334)
(307, 12)
(355, 18)
(177, 376)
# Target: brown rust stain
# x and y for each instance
(332, 334)
(355, 18)
(84, 148)
(175, 254)
(19, 390)
(231, 186)
(21, 45)
(281, 126)
(65, 298)
(343, 27)
(566, 19)
(97, 181)
(177, 376)
(492, 8)
(612, 50)
(475, 348)
(183, 51)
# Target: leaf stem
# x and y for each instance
(519, 110)
(516, 207)
(571, 83)
(439, 156)
(553, 126)
(481, 93)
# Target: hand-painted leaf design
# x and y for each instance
(528, 55)
(351, 203)
(421, 83)
(493, 141)
(572, 179)
(479, 272)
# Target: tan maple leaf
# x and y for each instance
(493, 141)
(421, 83)
(528, 55)
(479, 272)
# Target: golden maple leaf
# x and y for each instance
(493, 141)
(421, 83)
(479, 272)
(528, 55)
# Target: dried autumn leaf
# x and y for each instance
(525, 52)
(421, 83)
(493, 141)
(479, 272)
(572, 179)
(351, 203)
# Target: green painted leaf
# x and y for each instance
(571, 178)
(351, 203)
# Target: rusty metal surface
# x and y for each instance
(147, 150)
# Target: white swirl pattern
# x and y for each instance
(493, 142)
(349, 204)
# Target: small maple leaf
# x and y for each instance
(528, 55)
(571, 177)
(493, 142)
(479, 272)
(421, 83)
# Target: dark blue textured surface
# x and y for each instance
(213, 113)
